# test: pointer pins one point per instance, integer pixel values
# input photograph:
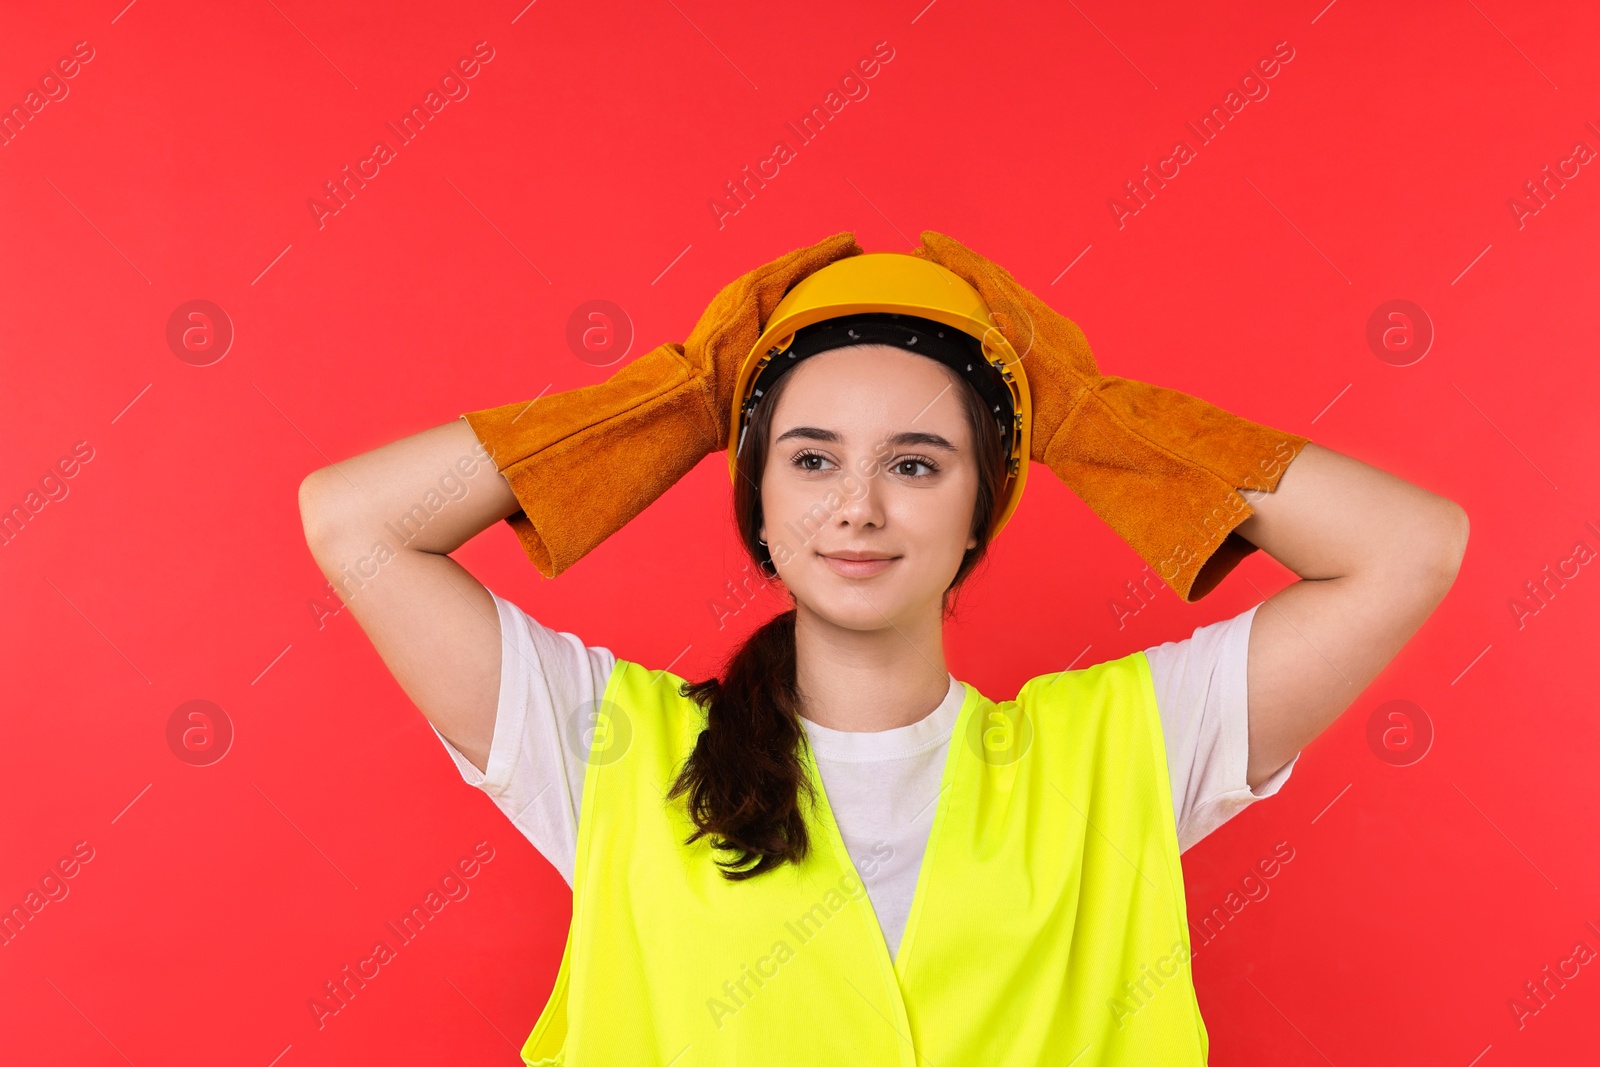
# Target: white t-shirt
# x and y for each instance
(881, 785)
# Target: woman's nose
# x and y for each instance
(863, 499)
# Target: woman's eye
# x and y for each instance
(803, 461)
(913, 463)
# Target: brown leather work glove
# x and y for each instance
(1161, 467)
(584, 462)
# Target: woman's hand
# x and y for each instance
(734, 320)
(584, 462)
(1055, 355)
(1161, 467)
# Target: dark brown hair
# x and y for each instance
(744, 776)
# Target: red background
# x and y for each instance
(581, 165)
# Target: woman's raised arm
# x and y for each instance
(572, 468)
(1375, 555)
(381, 526)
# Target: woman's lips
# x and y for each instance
(858, 568)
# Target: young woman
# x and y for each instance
(837, 849)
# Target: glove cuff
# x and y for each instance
(585, 462)
(1163, 468)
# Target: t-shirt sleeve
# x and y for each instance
(550, 684)
(1202, 694)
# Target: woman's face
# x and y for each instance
(870, 454)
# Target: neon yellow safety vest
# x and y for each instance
(1048, 924)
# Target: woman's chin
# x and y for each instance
(851, 609)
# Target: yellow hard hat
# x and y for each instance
(911, 303)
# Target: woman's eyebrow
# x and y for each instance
(905, 437)
(918, 437)
(810, 433)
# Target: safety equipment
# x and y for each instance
(1161, 467)
(902, 300)
(585, 461)
(1048, 925)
